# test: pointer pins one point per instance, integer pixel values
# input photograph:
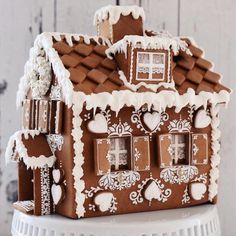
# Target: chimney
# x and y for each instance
(114, 22)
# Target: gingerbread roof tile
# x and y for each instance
(82, 64)
(91, 71)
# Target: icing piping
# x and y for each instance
(153, 87)
(15, 144)
(45, 41)
(77, 134)
(160, 101)
(113, 13)
(145, 42)
(215, 157)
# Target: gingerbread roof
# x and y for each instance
(80, 64)
(21, 146)
(91, 71)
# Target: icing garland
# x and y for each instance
(145, 42)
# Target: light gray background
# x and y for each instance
(211, 22)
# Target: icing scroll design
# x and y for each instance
(45, 191)
(91, 193)
(136, 118)
(119, 180)
(179, 174)
(137, 196)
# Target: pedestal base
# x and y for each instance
(194, 221)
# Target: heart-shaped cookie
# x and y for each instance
(151, 120)
(197, 190)
(98, 124)
(152, 192)
(103, 201)
(202, 120)
(58, 193)
(57, 175)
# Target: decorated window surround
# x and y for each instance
(132, 153)
(78, 99)
(150, 65)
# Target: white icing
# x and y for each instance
(202, 120)
(45, 41)
(98, 124)
(39, 74)
(215, 157)
(197, 190)
(135, 87)
(152, 119)
(15, 145)
(103, 201)
(145, 42)
(57, 175)
(160, 101)
(57, 193)
(113, 13)
(152, 192)
(78, 145)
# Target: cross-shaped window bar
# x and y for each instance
(178, 146)
(118, 152)
(151, 63)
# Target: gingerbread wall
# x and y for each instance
(176, 193)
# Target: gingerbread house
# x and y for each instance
(125, 121)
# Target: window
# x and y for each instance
(118, 153)
(121, 153)
(150, 66)
(178, 148)
(174, 149)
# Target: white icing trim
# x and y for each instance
(77, 134)
(15, 144)
(145, 42)
(160, 101)
(45, 41)
(113, 13)
(215, 157)
(153, 87)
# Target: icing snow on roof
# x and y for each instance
(113, 13)
(19, 149)
(146, 42)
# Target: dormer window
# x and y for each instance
(150, 66)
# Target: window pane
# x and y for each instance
(158, 58)
(143, 58)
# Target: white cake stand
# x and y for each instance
(194, 221)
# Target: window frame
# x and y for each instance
(150, 65)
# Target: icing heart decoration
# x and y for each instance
(103, 201)
(197, 190)
(58, 193)
(98, 124)
(152, 120)
(152, 192)
(202, 120)
(57, 175)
